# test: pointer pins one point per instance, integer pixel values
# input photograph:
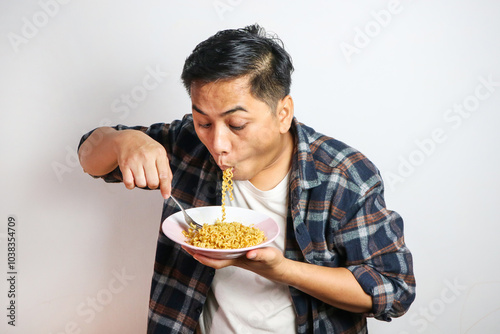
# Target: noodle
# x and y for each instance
(222, 235)
(227, 185)
(225, 236)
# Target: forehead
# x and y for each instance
(236, 86)
(224, 95)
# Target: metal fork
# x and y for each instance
(189, 220)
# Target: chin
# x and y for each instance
(239, 175)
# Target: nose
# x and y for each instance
(220, 141)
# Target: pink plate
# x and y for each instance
(174, 225)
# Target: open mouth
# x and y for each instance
(224, 167)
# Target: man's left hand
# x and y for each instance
(268, 262)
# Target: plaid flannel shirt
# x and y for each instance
(336, 218)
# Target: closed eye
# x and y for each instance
(237, 128)
(204, 126)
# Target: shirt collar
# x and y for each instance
(304, 168)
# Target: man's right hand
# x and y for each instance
(142, 160)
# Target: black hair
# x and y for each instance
(248, 51)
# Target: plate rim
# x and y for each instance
(223, 251)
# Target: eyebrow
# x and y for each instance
(227, 112)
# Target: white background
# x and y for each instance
(385, 77)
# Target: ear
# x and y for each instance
(284, 113)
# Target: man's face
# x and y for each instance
(240, 131)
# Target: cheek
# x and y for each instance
(265, 138)
(254, 146)
(204, 138)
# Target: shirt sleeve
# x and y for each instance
(377, 255)
(161, 132)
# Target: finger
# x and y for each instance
(151, 174)
(188, 250)
(164, 176)
(139, 177)
(128, 178)
(265, 254)
(211, 262)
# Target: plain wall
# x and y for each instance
(414, 85)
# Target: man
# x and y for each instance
(341, 256)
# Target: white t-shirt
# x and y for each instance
(240, 301)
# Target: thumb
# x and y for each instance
(165, 189)
(165, 178)
(252, 255)
(261, 254)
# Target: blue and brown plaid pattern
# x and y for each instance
(336, 218)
